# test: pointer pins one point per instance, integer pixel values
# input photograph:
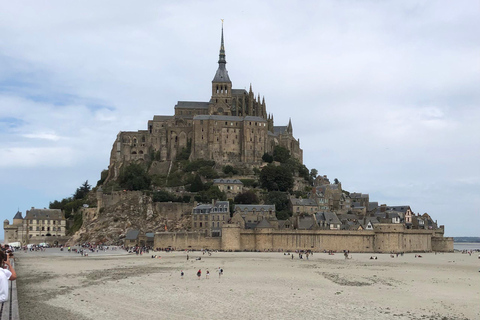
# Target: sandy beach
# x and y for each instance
(62, 285)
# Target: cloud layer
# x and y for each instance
(383, 96)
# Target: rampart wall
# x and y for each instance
(385, 238)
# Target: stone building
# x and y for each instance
(37, 223)
(209, 218)
(233, 127)
(252, 214)
(231, 187)
(299, 206)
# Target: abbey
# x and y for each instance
(232, 128)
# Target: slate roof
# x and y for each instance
(222, 74)
(132, 234)
(328, 217)
(372, 206)
(398, 208)
(303, 202)
(18, 215)
(44, 214)
(306, 223)
(279, 129)
(162, 118)
(237, 92)
(257, 207)
(331, 217)
(208, 207)
(150, 235)
(227, 181)
(228, 118)
(263, 224)
(191, 105)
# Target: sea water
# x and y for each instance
(466, 246)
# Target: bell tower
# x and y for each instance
(221, 86)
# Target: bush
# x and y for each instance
(276, 178)
(134, 177)
(281, 154)
(197, 164)
(267, 157)
(229, 169)
(247, 197)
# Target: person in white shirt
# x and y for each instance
(6, 273)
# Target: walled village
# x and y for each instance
(221, 175)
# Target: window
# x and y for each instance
(201, 224)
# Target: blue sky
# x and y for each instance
(383, 95)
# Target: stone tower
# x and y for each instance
(221, 100)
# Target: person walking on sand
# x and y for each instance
(208, 275)
(181, 274)
(199, 273)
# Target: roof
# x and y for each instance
(256, 207)
(331, 217)
(306, 223)
(132, 234)
(227, 181)
(279, 129)
(208, 207)
(222, 74)
(191, 105)
(372, 206)
(162, 118)
(303, 202)
(150, 235)
(398, 208)
(236, 92)
(263, 224)
(45, 214)
(18, 215)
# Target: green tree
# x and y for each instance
(267, 157)
(134, 177)
(211, 193)
(276, 178)
(185, 153)
(281, 154)
(313, 173)
(82, 191)
(197, 184)
(336, 181)
(229, 169)
(280, 200)
(163, 196)
(247, 197)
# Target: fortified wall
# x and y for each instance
(384, 238)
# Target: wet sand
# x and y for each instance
(61, 285)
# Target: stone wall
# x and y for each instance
(442, 244)
(186, 240)
(385, 238)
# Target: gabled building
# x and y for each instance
(231, 187)
(209, 218)
(254, 213)
(303, 206)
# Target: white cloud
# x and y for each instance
(383, 96)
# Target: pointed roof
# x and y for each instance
(263, 224)
(289, 127)
(222, 74)
(18, 215)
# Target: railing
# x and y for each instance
(9, 308)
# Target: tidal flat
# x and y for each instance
(115, 285)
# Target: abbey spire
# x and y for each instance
(222, 74)
(221, 101)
